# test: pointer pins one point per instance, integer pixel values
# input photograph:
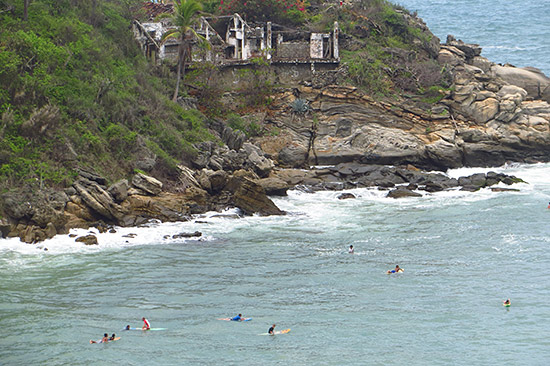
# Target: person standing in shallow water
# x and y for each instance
(350, 250)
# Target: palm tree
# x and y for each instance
(186, 13)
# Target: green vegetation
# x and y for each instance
(75, 91)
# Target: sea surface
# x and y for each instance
(509, 31)
(463, 254)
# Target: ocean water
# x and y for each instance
(463, 254)
(515, 32)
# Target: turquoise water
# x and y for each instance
(463, 254)
(516, 32)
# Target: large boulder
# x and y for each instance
(119, 190)
(148, 184)
(483, 110)
(274, 186)
(98, 199)
(401, 192)
(250, 197)
(87, 239)
(531, 79)
(293, 156)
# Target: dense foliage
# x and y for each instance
(75, 91)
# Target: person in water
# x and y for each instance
(271, 330)
(350, 250)
(507, 302)
(238, 318)
(548, 206)
(146, 325)
(396, 270)
(127, 327)
(105, 339)
(112, 338)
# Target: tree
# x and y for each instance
(26, 4)
(186, 13)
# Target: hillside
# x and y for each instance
(76, 92)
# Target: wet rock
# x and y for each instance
(130, 235)
(498, 189)
(250, 197)
(87, 240)
(274, 186)
(187, 235)
(345, 196)
(401, 192)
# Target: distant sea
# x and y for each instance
(515, 32)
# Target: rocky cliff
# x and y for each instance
(491, 114)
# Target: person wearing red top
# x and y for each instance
(146, 325)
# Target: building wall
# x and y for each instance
(293, 50)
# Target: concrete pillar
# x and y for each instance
(269, 35)
(336, 51)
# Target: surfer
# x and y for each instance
(127, 327)
(112, 338)
(146, 325)
(548, 206)
(238, 318)
(270, 331)
(350, 250)
(396, 270)
(507, 302)
(105, 339)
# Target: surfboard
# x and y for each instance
(284, 331)
(506, 305)
(231, 319)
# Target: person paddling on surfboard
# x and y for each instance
(270, 331)
(396, 270)
(127, 327)
(105, 339)
(146, 325)
(238, 318)
(112, 338)
(507, 302)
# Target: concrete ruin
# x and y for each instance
(236, 42)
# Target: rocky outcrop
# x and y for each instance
(491, 114)
(43, 214)
(147, 184)
(250, 197)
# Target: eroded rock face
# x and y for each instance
(250, 197)
(146, 183)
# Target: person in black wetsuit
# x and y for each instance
(270, 331)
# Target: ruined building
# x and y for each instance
(236, 42)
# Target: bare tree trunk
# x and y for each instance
(178, 77)
(26, 9)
